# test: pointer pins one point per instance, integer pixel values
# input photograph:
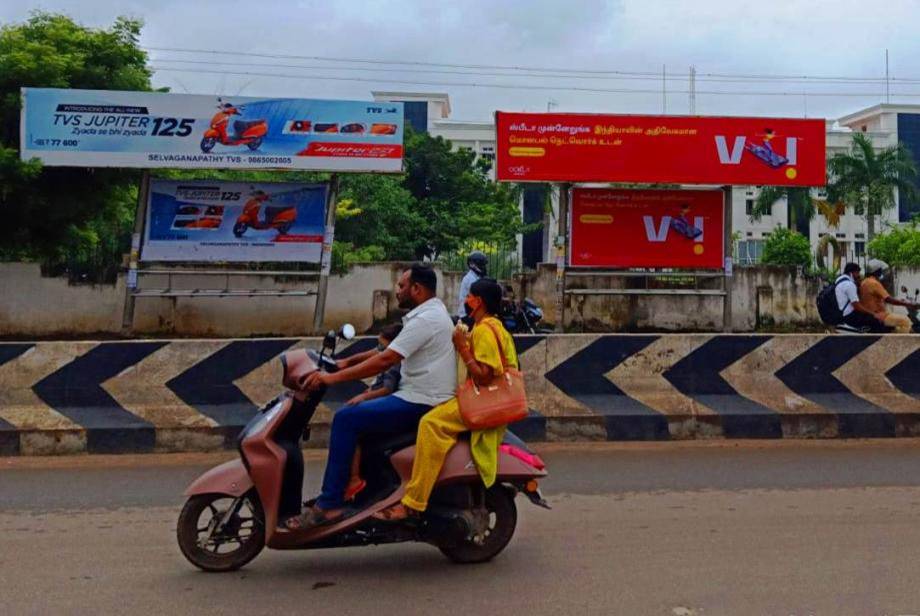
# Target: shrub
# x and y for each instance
(900, 246)
(786, 247)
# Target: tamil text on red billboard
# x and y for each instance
(647, 228)
(563, 147)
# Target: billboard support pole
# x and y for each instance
(729, 257)
(326, 261)
(140, 219)
(562, 253)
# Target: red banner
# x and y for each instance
(647, 228)
(563, 147)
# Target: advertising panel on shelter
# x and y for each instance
(647, 228)
(234, 221)
(100, 128)
(563, 147)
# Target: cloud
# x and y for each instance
(797, 37)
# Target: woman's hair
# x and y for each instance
(389, 332)
(490, 292)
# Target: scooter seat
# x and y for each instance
(242, 125)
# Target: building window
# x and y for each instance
(749, 252)
(860, 236)
(841, 236)
(859, 249)
(416, 115)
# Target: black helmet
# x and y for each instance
(478, 262)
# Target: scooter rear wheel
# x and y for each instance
(500, 525)
(254, 144)
(238, 542)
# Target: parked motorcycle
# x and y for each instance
(280, 218)
(521, 317)
(246, 132)
(234, 510)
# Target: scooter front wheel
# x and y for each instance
(218, 532)
(207, 144)
(496, 532)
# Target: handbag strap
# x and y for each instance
(498, 340)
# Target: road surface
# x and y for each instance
(777, 527)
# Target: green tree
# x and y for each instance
(800, 206)
(865, 180)
(786, 247)
(50, 213)
(899, 246)
(455, 198)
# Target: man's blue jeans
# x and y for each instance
(387, 415)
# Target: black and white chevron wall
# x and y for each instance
(188, 395)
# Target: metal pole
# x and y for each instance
(728, 265)
(664, 89)
(319, 312)
(887, 84)
(140, 216)
(562, 243)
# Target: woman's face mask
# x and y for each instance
(472, 304)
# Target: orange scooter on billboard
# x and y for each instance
(280, 218)
(242, 132)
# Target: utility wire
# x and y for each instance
(533, 69)
(670, 76)
(521, 86)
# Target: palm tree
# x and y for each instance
(865, 180)
(800, 210)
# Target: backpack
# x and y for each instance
(828, 309)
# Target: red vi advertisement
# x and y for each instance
(647, 228)
(564, 147)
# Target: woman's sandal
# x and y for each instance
(312, 518)
(395, 513)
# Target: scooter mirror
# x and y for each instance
(329, 340)
(347, 332)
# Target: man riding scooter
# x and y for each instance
(429, 377)
(477, 264)
(874, 296)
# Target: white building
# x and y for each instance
(885, 124)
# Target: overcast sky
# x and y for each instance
(840, 38)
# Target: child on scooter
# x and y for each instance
(385, 384)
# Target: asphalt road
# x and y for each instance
(788, 528)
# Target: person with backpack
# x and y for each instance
(839, 303)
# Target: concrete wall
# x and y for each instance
(35, 306)
(761, 297)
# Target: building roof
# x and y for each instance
(877, 110)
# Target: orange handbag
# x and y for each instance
(501, 402)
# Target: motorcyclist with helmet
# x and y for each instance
(478, 264)
(874, 296)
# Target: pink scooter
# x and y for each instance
(233, 510)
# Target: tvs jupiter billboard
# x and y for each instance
(647, 228)
(563, 147)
